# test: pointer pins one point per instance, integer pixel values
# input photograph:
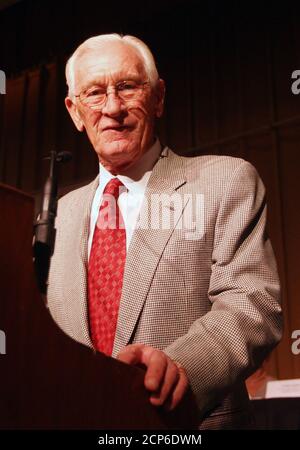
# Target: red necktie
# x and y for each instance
(106, 269)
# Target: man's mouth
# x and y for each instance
(118, 128)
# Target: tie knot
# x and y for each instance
(114, 187)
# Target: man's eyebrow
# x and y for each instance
(100, 82)
(91, 84)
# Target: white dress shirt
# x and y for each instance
(130, 201)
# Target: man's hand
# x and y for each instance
(165, 378)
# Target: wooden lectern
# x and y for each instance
(47, 380)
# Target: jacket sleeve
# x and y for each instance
(229, 342)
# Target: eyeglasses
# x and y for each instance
(95, 97)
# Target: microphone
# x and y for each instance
(61, 156)
(44, 230)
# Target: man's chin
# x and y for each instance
(117, 148)
(118, 156)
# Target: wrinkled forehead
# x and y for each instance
(108, 62)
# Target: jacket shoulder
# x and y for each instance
(216, 169)
(212, 162)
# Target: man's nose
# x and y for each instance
(113, 105)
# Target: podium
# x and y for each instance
(47, 380)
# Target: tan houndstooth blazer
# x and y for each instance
(209, 300)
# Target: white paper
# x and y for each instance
(283, 388)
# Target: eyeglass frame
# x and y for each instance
(100, 106)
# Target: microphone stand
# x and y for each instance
(44, 229)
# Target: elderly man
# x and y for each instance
(196, 298)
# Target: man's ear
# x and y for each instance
(160, 97)
(74, 113)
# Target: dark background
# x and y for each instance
(227, 67)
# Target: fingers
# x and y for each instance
(164, 378)
(131, 354)
(180, 389)
(157, 366)
(170, 379)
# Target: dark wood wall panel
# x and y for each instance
(13, 128)
(291, 213)
(284, 49)
(263, 154)
(226, 79)
(290, 189)
(48, 116)
(204, 111)
(254, 83)
(29, 157)
(2, 156)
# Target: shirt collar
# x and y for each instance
(137, 177)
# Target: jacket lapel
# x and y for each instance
(148, 244)
(75, 287)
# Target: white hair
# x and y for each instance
(92, 44)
